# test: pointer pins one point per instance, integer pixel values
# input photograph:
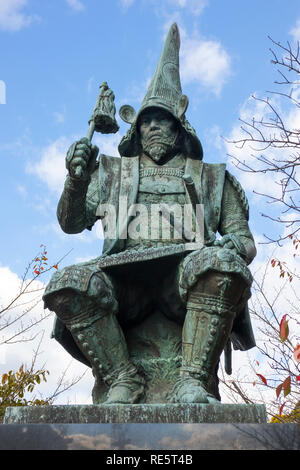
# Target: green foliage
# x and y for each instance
(14, 386)
(293, 417)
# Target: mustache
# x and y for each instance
(157, 136)
(154, 134)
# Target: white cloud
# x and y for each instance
(90, 84)
(250, 153)
(59, 117)
(51, 356)
(76, 5)
(126, 3)
(108, 144)
(295, 31)
(51, 168)
(194, 6)
(204, 62)
(12, 18)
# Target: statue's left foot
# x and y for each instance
(190, 390)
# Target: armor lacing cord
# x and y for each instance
(167, 171)
(85, 319)
(210, 304)
(120, 373)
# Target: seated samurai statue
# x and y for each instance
(203, 290)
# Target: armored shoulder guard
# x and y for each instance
(240, 192)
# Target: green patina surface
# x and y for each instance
(138, 413)
(152, 315)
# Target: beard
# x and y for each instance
(160, 148)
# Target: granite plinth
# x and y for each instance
(139, 413)
(136, 439)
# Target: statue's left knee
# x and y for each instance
(215, 287)
(217, 273)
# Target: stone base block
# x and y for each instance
(140, 413)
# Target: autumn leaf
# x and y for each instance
(4, 378)
(297, 353)
(278, 390)
(286, 386)
(283, 329)
(281, 408)
(55, 266)
(262, 378)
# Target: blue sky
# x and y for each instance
(55, 54)
(53, 57)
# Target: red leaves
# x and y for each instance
(283, 329)
(282, 267)
(278, 390)
(285, 385)
(41, 264)
(262, 378)
(281, 408)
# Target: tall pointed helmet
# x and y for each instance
(163, 92)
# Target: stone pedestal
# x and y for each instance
(145, 413)
(156, 428)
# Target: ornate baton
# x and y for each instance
(103, 118)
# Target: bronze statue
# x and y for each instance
(201, 289)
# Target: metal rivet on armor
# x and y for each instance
(212, 331)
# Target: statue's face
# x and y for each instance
(158, 131)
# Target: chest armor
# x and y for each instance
(160, 205)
